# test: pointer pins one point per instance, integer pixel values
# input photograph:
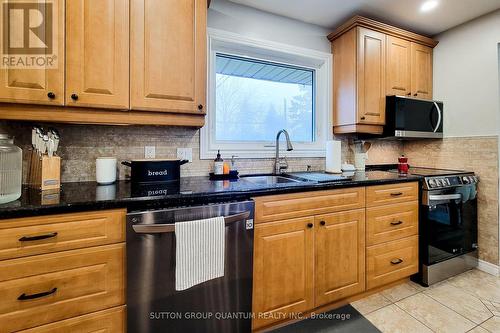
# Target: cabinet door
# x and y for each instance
(283, 269)
(398, 66)
(421, 71)
(168, 56)
(340, 255)
(97, 46)
(36, 86)
(371, 77)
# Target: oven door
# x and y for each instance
(448, 224)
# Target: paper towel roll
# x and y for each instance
(333, 156)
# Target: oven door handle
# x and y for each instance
(439, 197)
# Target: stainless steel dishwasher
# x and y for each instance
(219, 305)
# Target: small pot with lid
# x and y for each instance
(155, 170)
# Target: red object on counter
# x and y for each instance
(403, 166)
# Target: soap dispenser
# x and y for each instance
(218, 164)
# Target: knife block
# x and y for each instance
(44, 172)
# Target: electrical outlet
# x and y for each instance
(185, 154)
(149, 152)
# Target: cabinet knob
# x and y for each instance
(363, 118)
(310, 225)
(415, 94)
(322, 223)
(409, 94)
(51, 95)
(74, 97)
(200, 107)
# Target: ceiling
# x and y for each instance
(403, 13)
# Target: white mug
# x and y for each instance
(105, 170)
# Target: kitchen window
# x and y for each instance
(257, 88)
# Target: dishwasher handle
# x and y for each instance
(141, 228)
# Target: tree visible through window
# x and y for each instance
(255, 99)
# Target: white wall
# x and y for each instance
(250, 22)
(466, 77)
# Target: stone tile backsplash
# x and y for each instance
(82, 144)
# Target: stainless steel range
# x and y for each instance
(448, 223)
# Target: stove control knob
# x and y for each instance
(439, 182)
(447, 181)
(432, 183)
(465, 180)
(472, 180)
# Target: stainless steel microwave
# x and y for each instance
(413, 118)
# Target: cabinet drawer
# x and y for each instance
(389, 194)
(391, 222)
(36, 235)
(111, 321)
(391, 261)
(279, 207)
(46, 288)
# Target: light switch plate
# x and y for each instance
(149, 152)
(185, 154)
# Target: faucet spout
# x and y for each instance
(278, 166)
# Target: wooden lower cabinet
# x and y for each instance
(107, 321)
(283, 270)
(340, 256)
(389, 262)
(316, 250)
(42, 289)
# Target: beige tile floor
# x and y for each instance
(469, 302)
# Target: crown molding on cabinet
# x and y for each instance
(381, 27)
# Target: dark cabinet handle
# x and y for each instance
(409, 94)
(51, 95)
(310, 225)
(415, 94)
(200, 107)
(397, 223)
(39, 237)
(396, 261)
(322, 223)
(25, 297)
(396, 194)
(74, 97)
(363, 118)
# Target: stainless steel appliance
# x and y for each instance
(219, 305)
(448, 223)
(408, 118)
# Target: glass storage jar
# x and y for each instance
(11, 169)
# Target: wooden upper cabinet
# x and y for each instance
(283, 269)
(371, 77)
(42, 85)
(97, 49)
(370, 61)
(398, 72)
(340, 255)
(421, 71)
(168, 55)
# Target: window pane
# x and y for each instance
(256, 99)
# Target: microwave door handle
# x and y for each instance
(440, 117)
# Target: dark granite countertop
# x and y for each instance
(82, 196)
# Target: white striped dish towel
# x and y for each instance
(199, 251)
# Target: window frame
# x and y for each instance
(244, 47)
